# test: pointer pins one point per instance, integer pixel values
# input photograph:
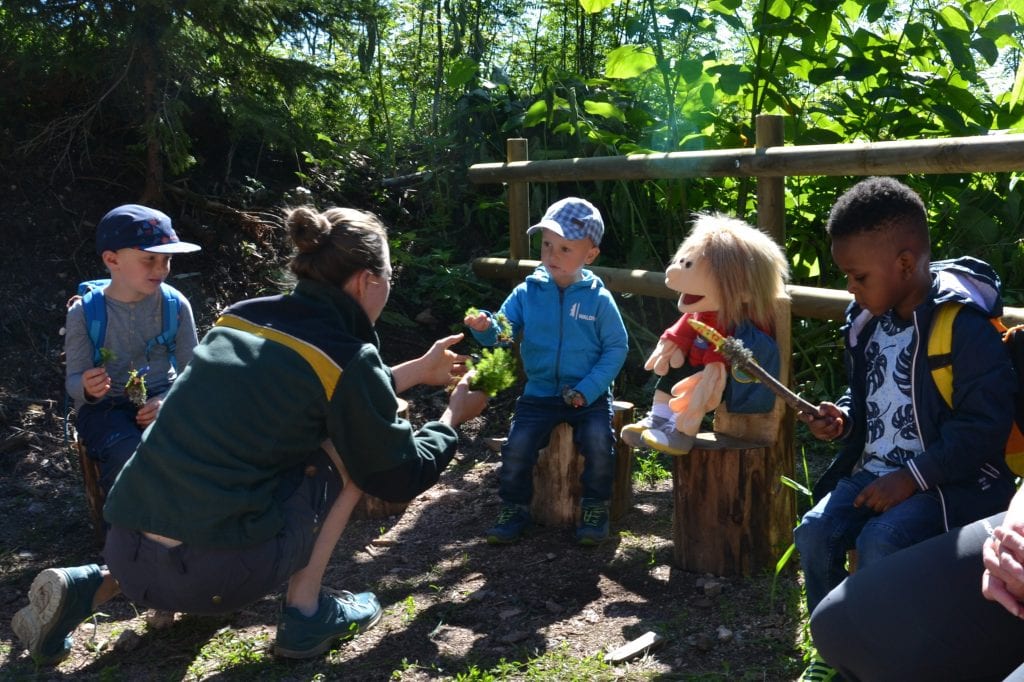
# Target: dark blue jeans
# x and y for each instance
(534, 420)
(834, 526)
(110, 434)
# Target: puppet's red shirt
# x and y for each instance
(699, 351)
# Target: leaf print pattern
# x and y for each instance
(891, 437)
(899, 456)
(903, 422)
(876, 366)
(901, 374)
(876, 425)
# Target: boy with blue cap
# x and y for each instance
(119, 331)
(573, 343)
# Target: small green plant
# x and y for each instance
(408, 609)
(649, 469)
(106, 355)
(135, 387)
(495, 371)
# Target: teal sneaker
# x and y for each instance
(58, 601)
(820, 671)
(593, 528)
(337, 617)
(513, 519)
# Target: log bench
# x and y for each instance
(556, 477)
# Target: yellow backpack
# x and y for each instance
(940, 347)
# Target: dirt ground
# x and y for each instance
(455, 607)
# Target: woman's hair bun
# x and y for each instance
(308, 228)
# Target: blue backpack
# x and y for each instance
(95, 308)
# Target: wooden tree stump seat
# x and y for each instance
(94, 497)
(556, 477)
(731, 513)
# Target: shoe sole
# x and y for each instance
(632, 437)
(326, 644)
(33, 623)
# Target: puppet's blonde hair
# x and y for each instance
(750, 268)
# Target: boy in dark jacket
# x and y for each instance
(911, 467)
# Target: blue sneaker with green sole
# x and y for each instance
(593, 528)
(337, 617)
(58, 601)
(513, 520)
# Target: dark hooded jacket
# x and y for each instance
(963, 457)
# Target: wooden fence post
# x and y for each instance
(517, 149)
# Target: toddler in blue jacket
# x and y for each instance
(572, 344)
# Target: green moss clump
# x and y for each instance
(495, 371)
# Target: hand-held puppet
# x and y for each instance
(729, 276)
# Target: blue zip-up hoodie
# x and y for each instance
(963, 458)
(572, 337)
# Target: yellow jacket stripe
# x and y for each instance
(327, 370)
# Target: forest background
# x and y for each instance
(225, 112)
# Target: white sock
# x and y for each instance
(662, 410)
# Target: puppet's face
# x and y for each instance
(692, 277)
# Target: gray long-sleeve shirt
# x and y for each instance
(130, 326)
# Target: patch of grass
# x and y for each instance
(229, 648)
(650, 468)
(560, 664)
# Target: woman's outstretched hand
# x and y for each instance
(439, 366)
(463, 403)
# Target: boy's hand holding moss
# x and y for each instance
(476, 320)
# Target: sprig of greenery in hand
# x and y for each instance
(504, 325)
(106, 355)
(495, 371)
(135, 388)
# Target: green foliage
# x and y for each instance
(495, 370)
(106, 355)
(649, 468)
(135, 387)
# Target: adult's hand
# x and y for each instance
(439, 366)
(1003, 555)
(463, 404)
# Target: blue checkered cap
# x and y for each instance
(572, 218)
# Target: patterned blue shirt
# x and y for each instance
(892, 438)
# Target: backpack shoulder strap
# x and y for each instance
(171, 315)
(940, 349)
(94, 307)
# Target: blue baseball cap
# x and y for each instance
(132, 226)
(572, 218)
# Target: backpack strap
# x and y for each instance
(171, 313)
(940, 349)
(94, 306)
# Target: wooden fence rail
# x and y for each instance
(769, 162)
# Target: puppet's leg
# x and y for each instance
(695, 396)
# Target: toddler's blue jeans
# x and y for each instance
(532, 424)
(834, 526)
